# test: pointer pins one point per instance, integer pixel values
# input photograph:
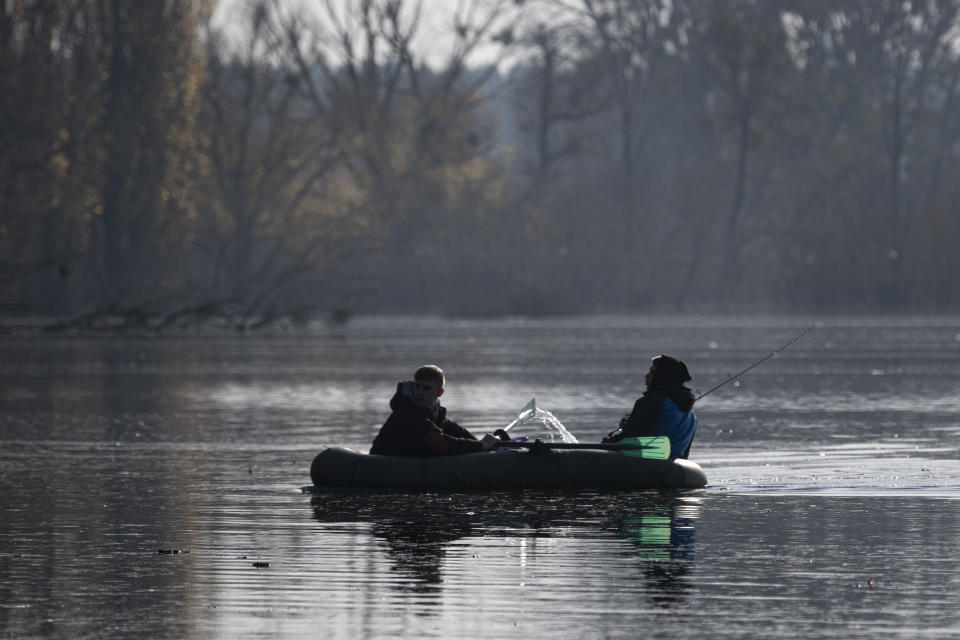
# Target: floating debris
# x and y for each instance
(261, 565)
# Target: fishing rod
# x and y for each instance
(755, 364)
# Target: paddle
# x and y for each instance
(528, 410)
(653, 448)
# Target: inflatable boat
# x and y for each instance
(579, 468)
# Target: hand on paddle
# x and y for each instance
(489, 442)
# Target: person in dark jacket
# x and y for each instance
(418, 425)
(665, 408)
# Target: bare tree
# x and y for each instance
(97, 122)
(879, 95)
(267, 221)
(406, 112)
(740, 46)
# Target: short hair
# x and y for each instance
(431, 372)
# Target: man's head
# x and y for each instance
(665, 370)
(428, 383)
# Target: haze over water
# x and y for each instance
(141, 481)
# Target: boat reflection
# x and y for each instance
(665, 539)
(418, 529)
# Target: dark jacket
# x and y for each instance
(663, 410)
(412, 430)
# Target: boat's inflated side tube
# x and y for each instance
(582, 468)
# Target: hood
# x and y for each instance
(682, 396)
(669, 370)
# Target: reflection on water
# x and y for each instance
(417, 552)
(833, 508)
(665, 537)
(418, 529)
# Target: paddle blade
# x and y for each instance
(528, 410)
(655, 448)
(526, 413)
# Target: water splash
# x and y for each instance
(544, 425)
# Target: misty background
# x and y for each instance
(164, 164)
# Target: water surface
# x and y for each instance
(152, 487)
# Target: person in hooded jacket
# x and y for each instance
(665, 408)
(419, 426)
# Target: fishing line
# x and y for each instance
(755, 364)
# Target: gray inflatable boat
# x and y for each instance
(504, 469)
